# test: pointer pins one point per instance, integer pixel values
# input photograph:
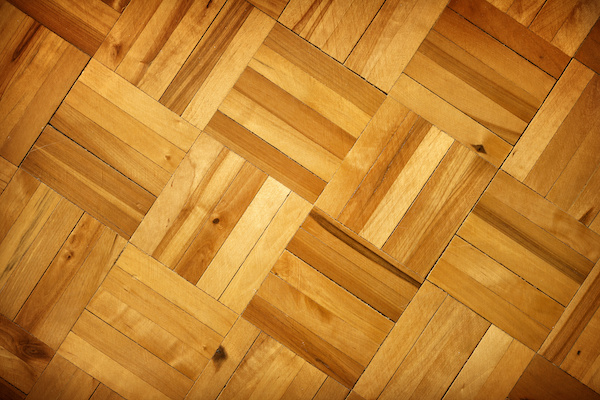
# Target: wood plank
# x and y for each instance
(574, 320)
(27, 226)
(84, 27)
(548, 120)
(14, 199)
(139, 105)
(225, 63)
(542, 379)
(25, 357)
(589, 51)
(306, 384)
(439, 354)
(392, 39)
(585, 209)
(335, 26)
(568, 139)
(242, 239)
(524, 11)
(91, 184)
(576, 26)
(493, 369)
(9, 392)
(331, 390)
(221, 222)
(148, 334)
(265, 156)
(39, 69)
(440, 208)
(354, 264)
(272, 8)
(265, 253)
(177, 290)
(265, 373)
(225, 361)
(451, 120)
(106, 370)
(103, 392)
(31, 267)
(516, 36)
(400, 340)
(63, 380)
(362, 156)
(7, 171)
(302, 341)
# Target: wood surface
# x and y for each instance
(299, 199)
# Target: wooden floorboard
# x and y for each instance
(299, 199)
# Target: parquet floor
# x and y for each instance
(300, 199)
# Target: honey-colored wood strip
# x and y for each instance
(266, 372)
(439, 354)
(63, 380)
(318, 319)
(544, 214)
(335, 26)
(148, 334)
(589, 51)
(272, 8)
(177, 290)
(15, 198)
(9, 392)
(585, 209)
(583, 360)
(451, 120)
(563, 150)
(265, 156)
(39, 256)
(548, 120)
(221, 222)
(302, 341)
(386, 121)
(25, 356)
(91, 184)
(27, 226)
(380, 57)
(132, 356)
(154, 77)
(125, 32)
(265, 253)
(39, 72)
(160, 311)
(84, 27)
(501, 281)
(516, 36)
(574, 320)
(225, 361)
(551, 17)
(485, 48)
(355, 264)
(544, 380)
(524, 11)
(492, 306)
(103, 392)
(332, 297)
(331, 390)
(7, 171)
(57, 322)
(306, 384)
(219, 76)
(493, 369)
(448, 196)
(576, 26)
(97, 364)
(243, 238)
(138, 105)
(400, 341)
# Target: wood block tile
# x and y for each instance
(38, 71)
(544, 380)
(589, 51)
(462, 64)
(84, 27)
(88, 182)
(216, 62)
(63, 380)
(392, 39)
(334, 26)
(24, 357)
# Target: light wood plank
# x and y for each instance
(331, 390)
(63, 380)
(15, 198)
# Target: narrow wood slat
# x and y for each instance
(306, 384)
(14, 199)
(7, 171)
(103, 392)
(589, 51)
(63, 380)
(272, 8)
(524, 11)
(91, 184)
(331, 390)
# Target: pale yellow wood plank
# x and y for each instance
(265, 253)
(306, 384)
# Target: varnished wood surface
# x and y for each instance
(299, 199)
